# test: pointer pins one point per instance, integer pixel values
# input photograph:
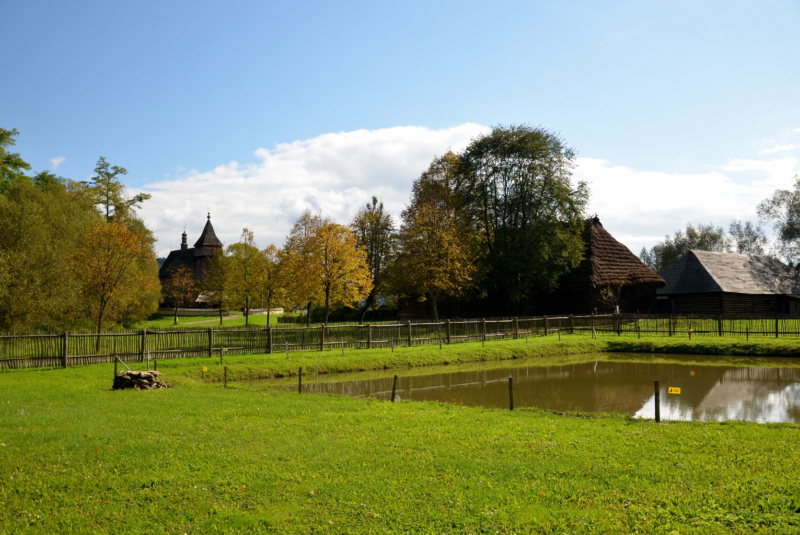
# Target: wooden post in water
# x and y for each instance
(394, 388)
(144, 345)
(64, 350)
(225, 384)
(658, 400)
(300, 381)
(210, 342)
(449, 331)
(511, 393)
(408, 322)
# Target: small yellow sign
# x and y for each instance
(205, 369)
(674, 390)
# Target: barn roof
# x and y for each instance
(208, 238)
(706, 272)
(608, 262)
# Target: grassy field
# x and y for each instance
(77, 457)
(236, 319)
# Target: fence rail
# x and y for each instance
(50, 350)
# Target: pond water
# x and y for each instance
(760, 390)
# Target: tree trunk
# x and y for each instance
(370, 300)
(175, 322)
(308, 315)
(434, 312)
(246, 311)
(100, 325)
(220, 312)
(327, 302)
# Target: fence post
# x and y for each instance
(669, 324)
(484, 329)
(269, 339)
(546, 325)
(658, 401)
(619, 324)
(776, 327)
(226, 378)
(369, 336)
(394, 388)
(322, 337)
(210, 342)
(571, 324)
(719, 325)
(448, 331)
(408, 322)
(64, 356)
(144, 345)
(516, 327)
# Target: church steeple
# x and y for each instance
(184, 245)
(208, 239)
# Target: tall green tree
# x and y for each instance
(12, 166)
(109, 193)
(700, 237)
(218, 283)
(271, 283)
(519, 198)
(375, 233)
(782, 211)
(299, 262)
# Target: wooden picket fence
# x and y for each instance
(69, 349)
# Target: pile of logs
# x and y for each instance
(138, 380)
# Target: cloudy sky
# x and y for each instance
(679, 111)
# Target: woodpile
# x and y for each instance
(138, 380)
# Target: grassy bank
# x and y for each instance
(77, 457)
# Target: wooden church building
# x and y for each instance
(610, 278)
(195, 258)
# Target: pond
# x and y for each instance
(759, 390)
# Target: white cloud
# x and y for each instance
(332, 173)
(779, 148)
(337, 173)
(55, 162)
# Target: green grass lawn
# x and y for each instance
(78, 457)
(236, 319)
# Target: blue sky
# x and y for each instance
(653, 96)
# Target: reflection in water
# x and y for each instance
(707, 392)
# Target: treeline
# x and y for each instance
(781, 211)
(492, 228)
(73, 255)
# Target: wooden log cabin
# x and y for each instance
(703, 282)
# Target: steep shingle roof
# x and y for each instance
(208, 238)
(704, 272)
(608, 262)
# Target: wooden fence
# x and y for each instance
(50, 350)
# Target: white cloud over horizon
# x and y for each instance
(55, 162)
(337, 173)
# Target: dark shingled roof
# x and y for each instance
(207, 237)
(177, 258)
(706, 272)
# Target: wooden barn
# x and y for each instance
(702, 282)
(609, 278)
(195, 258)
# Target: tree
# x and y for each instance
(701, 238)
(748, 239)
(434, 250)
(299, 262)
(218, 282)
(109, 192)
(246, 264)
(375, 233)
(517, 194)
(342, 265)
(271, 284)
(782, 211)
(104, 263)
(179, 289)
(12, 166)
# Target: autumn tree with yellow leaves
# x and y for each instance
(434, 257)
(322, 262)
